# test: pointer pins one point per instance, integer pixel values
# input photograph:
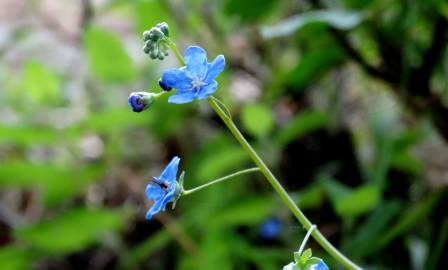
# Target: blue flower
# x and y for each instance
(164, 189)
(318, 266)
(197, 79)
(270, 228)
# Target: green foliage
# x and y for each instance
(249, 10)
(70, 231)
(301, 124)
(107, 57)
(13, 258)
(41, 84)
(339, 19)
(258, 120)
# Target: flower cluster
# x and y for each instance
(156, 41)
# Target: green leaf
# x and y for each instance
(57, 183)
(250, 211)
(221, 162)
(313, 65)
(358, 202)
(373, 228)
(41, 84)
(302, 124)
(249, 10)
(148, 13)
(71, 231)
(414, 214)
(310, 197)
(13, 258)
(257, 119)
(306, 255)
(107, 57)
(339, 19)
(333, 188)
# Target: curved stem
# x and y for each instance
(317, 235)
(227, 177)
(302, 246)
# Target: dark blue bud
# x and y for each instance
(139, 101)
(164, 86)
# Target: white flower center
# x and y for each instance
(197, 83)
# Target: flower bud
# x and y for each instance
(163, 26)
(139, 101)
(156, 41)
(163, 85)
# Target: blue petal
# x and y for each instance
(215, 67)
(320, 266)
(155, 208)
(154, 192)
(135, 102)
(170, 172)
(169, 196)
(196, 61)
(183, 97)
(207, 90)
(289, 266)
(176, 78)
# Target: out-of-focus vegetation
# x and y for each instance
(345, 100)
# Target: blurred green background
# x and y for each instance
(344, 99)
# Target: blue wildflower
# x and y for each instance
(164, 189)
(317, 266)
(270, 228)
(197, 79)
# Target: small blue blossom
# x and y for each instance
(164, 189)
(270, 228)
(318, 266)
(197, 79)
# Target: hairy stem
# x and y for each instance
(227, 177)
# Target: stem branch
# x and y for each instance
(227, 177)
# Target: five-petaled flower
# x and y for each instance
(164, 189)
(197, 79)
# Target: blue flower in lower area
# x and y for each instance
(270, 228)
(317, 266)
(197, 79)
(164, 189)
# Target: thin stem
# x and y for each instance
(176, 52)
(302, 246)
(317, 235)
(227, 177)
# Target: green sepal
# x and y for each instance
(179, 189)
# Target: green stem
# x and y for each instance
(227, 177)
(317, 235)
(176, 52)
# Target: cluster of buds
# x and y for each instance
(156, 41)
